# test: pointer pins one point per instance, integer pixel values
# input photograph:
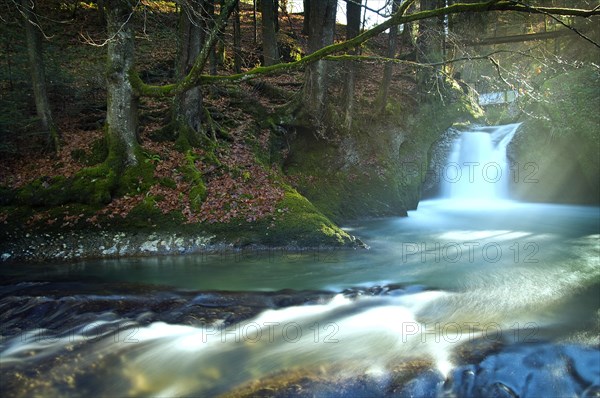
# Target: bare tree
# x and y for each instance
(38, 75)
(237, 40)
(321, 34)
(306, 19)
(188, 109)
(269, 37)
(353, 12)
(429, 48)
(382, 97)
(121, 111)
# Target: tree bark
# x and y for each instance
(428, 49)
(210, 8)
(276, 15)
(237, 40)
(353, 13)
(254, 21)
(38, 76)
(188, 109)
(101, 15)
(387, 68)
(353, 9)
(269, 37)
(321, 34)
(121, 112)
(306, 19)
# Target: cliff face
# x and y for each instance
(555, 154)
(378, 167)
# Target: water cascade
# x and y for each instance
(478, 168)
(456, 300)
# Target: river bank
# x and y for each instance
(68, 246)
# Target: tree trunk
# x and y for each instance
(121, 111)
(306, 19)
(220, 47)
(101, 15)
(428, 49)
(210, 8)
(353, 11)
(237, 41)
(38, 76)
(276, 15)
(269, 38)
(188, 109)
(388, 67)
(321, 34)
(254, 22)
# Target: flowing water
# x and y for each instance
(471, 295)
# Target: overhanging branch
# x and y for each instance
(195, 77)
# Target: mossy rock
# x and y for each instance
(90, 186)
(302, 223)
(296, 223)
(377, 168)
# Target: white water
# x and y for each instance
(478, 168)
(474, 266)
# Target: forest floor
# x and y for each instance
(240, 187)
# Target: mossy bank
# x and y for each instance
(287, 187)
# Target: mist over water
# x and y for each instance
(468, 273)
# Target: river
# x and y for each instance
(464, 297)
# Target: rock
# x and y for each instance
(544, 370)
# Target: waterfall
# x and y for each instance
(478, 168)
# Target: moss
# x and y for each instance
(297, 222)
(78, 155)
(93, 185)
(289, 48)
(197, 196)
(98, 152)
(143, 89)
(17, 218)
(166, 133)
(167, 182)
(301, 222)
(138, 178)
(377, 168)
(147, 215)
(197, 193)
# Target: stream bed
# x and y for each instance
(460, 299)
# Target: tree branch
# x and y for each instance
(195, 77)
(567, 25)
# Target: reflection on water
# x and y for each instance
(439, 286)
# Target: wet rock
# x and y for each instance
(540, 370)
(425, 385)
